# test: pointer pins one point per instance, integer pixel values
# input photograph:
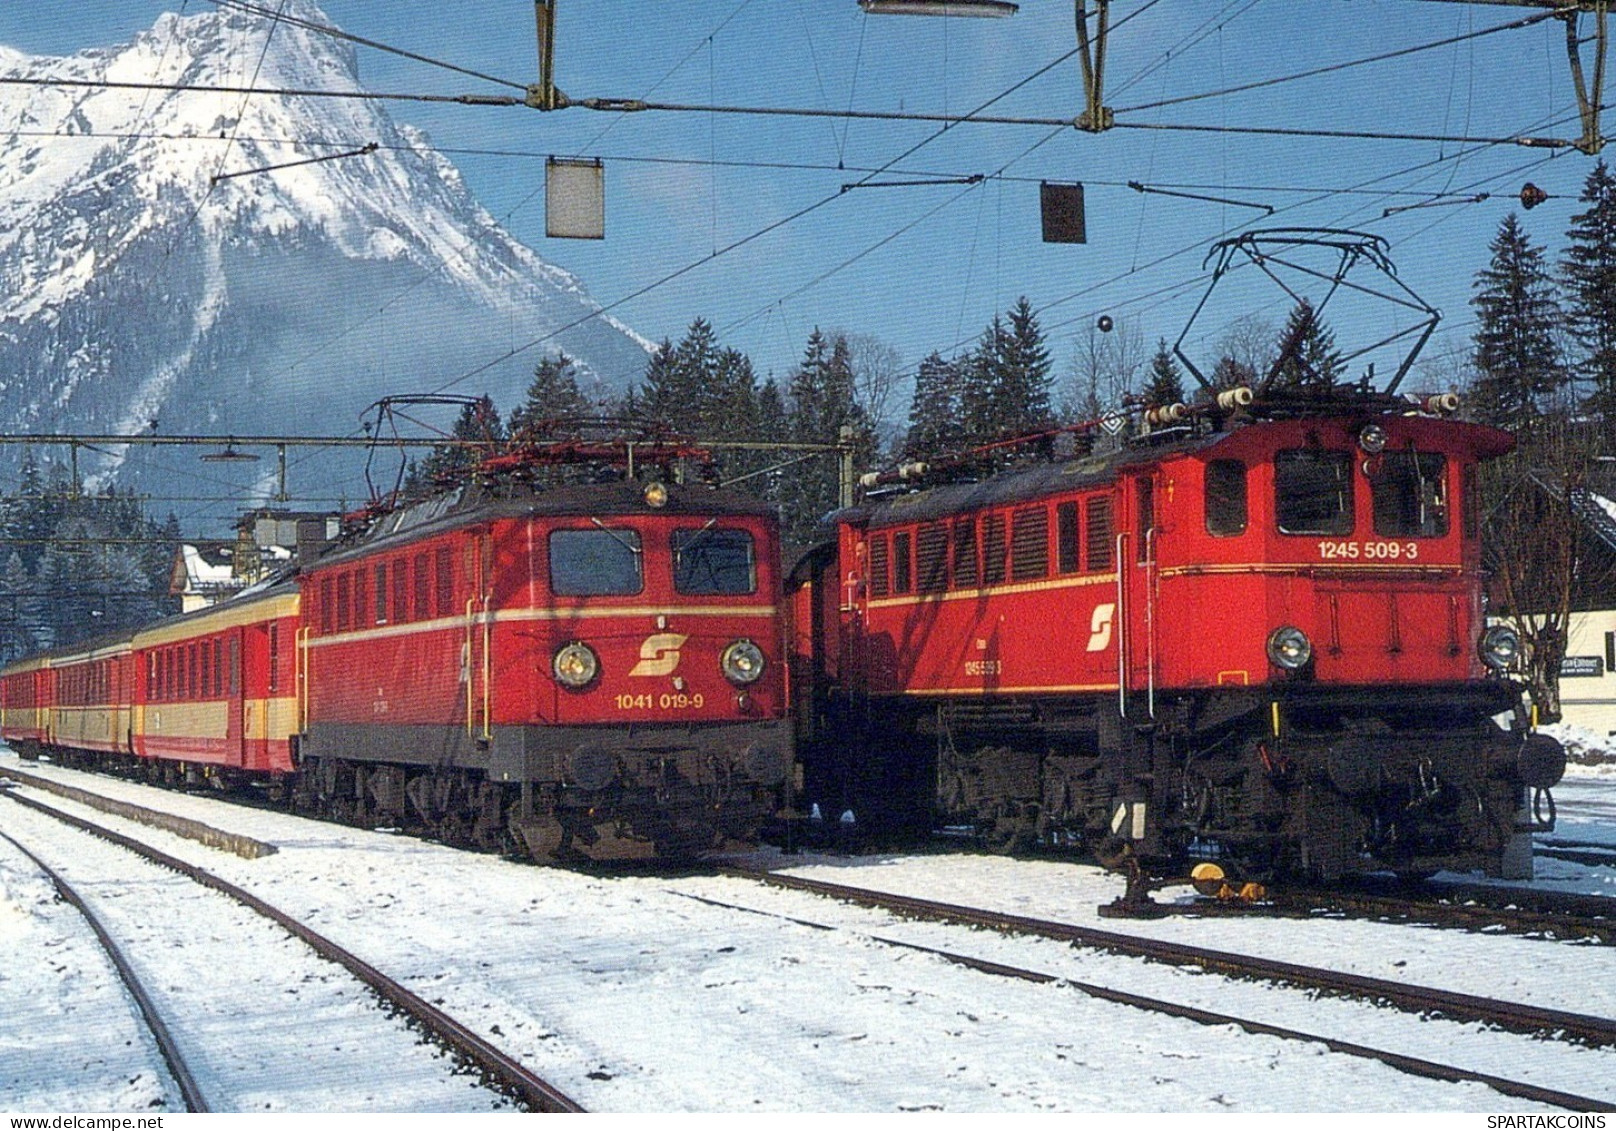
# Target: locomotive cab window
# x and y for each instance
(595, 563)
(1410, 494)
(1313, 491)
(710, 561)
(1225, 497)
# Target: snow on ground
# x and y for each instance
(632, 994)
(220, 1008)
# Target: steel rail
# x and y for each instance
(1514, 1016)
(190, 1091)
(1412, 1065)
(499, 1068)
(1538, 912)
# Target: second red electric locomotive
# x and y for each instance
(1259, 640)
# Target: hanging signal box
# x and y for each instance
(574, 199)
(1062, 210)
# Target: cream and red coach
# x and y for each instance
(592, 669)
(1262, 642)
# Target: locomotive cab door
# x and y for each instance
(1137, 550)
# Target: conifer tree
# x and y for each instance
(822, 404)
(1518, 362)
(1589, 269)
(1307, 354)
(553, 395)
(935, 425)
(1166, 384)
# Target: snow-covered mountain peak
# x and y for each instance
(157, 258)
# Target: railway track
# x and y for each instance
(1511, 1016)
(1472, 907)
(1415, 1066)
(499, 1071)
(167, 1047)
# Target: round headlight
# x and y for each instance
(1289, 648)
(656, 494)
(575, 665)
(742, 663)
(1500, 647)
(1372, 439)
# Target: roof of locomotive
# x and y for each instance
(1035, 482)
(473, 503)
(1059, 476)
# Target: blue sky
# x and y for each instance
(932, 264)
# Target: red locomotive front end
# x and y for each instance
(590, 670)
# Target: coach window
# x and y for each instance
(151, 677)
(1313, 491)
(902, 579)
(235, 665)
(602, 562)
(218, 666)
(1066, 538)
(191, 684)
(880, 566)
(931, 558)
(710, 560)
(967, 571)
(1409, 494)
(993, 548)
(275, 655)
(444, 568)
(207, 673)
(1225, 497)
(1097, 550)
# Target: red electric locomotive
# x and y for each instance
(1256, 638)
(586, 669)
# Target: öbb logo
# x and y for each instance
(1100, 627)
(659, 655)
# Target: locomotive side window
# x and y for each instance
(344, 603)
(1145, 496)
(1225, 497)
(880, 563)
(595, 563)
(1097, 552)
(931, 558)
(401, 591)
(1066, 538)
(1313, 491)
(445, 578)
(966, 572)
(423, 589)
(327, 604)
(713, 561)
(993, 547)
(1469, 502)
(1029, 543)
(1410, 495)
(381, 592)
(900, 563)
